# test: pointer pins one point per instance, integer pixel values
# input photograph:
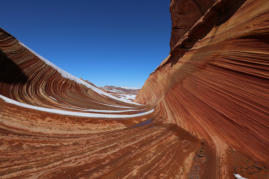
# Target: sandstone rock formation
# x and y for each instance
(215, 83)
(54, 125)
(205, 112)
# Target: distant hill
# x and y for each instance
(121, 92)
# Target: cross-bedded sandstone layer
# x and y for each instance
(54, 125)
(215, 82)
(205, 113)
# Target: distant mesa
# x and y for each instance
(122, 92)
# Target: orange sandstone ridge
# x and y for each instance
(215, 83)
(204, 111)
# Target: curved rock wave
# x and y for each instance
(204, 113)
(53, 124)
(215, 82)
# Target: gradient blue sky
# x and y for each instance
(108, 42)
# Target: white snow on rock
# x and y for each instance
(116, 106)
(114, 90)
(76, 79)
(131, 88)
(72, 113)
(128, 97)
(237, 176)
(101, 110)
(108, 111)
(53, 98)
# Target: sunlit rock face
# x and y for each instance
(214, 84)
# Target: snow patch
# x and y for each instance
(237, 176)
(76, 79)
(114, 90)
(116, 106)
(129, 97)
(72, 113)
(101, 110)
(53, 98)
(131, 88)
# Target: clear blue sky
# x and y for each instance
(108, 42)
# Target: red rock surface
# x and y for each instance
(43, 144)
(215, 83)
(210, 99)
